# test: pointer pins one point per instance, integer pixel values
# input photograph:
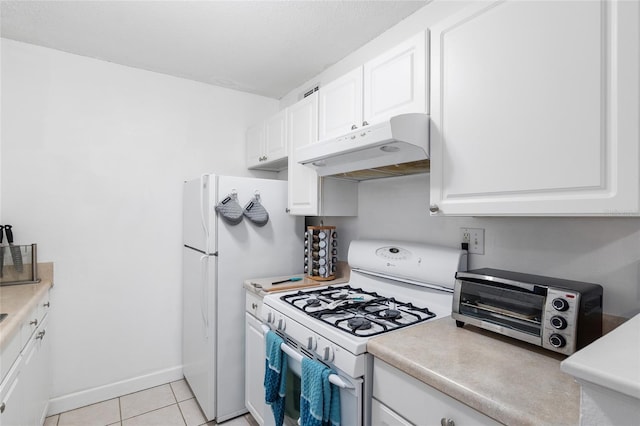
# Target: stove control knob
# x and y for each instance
(327, 354)
(281, 324)
(311, 343)
(558, 322)
(557, 341)
(270, 318)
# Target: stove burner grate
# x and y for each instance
(357, 311)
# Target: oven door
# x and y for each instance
(351, 399)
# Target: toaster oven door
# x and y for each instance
(512, 311)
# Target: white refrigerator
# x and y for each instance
(217, 258)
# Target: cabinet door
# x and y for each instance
(302, 126)
(396, 81)
(341, 105)
(532, 112)
(275, 137)
(254, 369)
(254, 145)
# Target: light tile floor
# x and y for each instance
(171, 404)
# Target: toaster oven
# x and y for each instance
(557, 314)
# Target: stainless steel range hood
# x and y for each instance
(388, 146)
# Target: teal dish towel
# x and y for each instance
(319, 399)
(275, 376)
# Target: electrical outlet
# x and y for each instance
(474, 237)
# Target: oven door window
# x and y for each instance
(514, 308)
(351, 403)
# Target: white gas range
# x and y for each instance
(392, 285)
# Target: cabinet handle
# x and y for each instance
(34, 322)
(41, 334)
(46, 305)
(447, 422)
(433, 208)
(2, 407)
(287, 210)
(265, 158)
(365, 123)
(254, 306)
(354, 127)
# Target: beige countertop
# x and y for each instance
(264, 286)
(18, 300)
(510, 381)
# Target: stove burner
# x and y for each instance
(359, 323)
(390, 314)
(338, 296)
(312, 302)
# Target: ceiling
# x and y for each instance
(263, 47)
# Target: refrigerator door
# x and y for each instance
(247, 251)
(198, 216)
(198, 327)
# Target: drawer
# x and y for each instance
(10, 354)
(253, 304)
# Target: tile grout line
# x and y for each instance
(179, 408)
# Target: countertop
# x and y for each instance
(510, 381)
(613, 361)
(263, 286)
(18, 300)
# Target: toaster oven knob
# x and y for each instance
(557, 341)
(558, 322)
(560, 304)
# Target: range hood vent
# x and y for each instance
(398, 146)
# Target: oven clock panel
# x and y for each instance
(393, 253)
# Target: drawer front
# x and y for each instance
(418, 402)
(253, 304)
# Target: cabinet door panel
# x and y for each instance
(341, 105)
(303, 181)
(395, 82)
(275, 137)
(526, 114)
(255, 141)
(254, 370)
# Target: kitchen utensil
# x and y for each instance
(16, 255)
(1, 250)
(292, 279)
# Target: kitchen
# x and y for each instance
(93, 159)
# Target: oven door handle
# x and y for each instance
(333, 378)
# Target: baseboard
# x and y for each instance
(113, 390)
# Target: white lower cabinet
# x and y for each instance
(254, 359)
(24, 390)
(399, 399)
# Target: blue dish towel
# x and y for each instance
(319, 399)
(275, 376)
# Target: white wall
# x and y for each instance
(601, 250)
(93, 159)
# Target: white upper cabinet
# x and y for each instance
(393, 83)
(303, 181)
(341, 105)
(310, 195)
(534, 108)
(396, 82)
(267, 144)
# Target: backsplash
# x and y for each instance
(601, 250)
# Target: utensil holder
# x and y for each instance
(16, 272)
(320, 252)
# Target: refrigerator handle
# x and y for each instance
(204, 302)
(202, 214)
